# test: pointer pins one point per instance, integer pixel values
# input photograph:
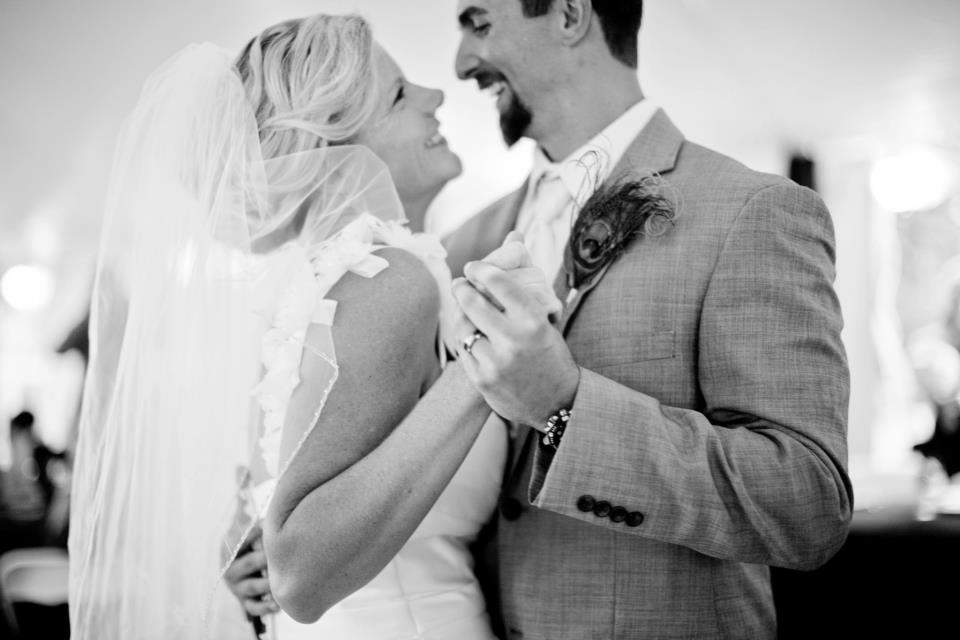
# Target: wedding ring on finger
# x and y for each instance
(471, 340)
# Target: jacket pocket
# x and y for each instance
(648, 346)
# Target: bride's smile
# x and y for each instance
(404, 133)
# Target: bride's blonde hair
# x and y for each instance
(311, 82)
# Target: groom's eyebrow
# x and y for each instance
(466, 17)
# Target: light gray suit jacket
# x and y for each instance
(708, 437)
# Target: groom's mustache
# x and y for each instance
(486, 77)
(517, 116)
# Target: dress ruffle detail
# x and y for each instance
(312, 273)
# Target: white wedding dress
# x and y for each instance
(429, 590)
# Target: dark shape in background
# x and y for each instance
(944, 444)
(803, 171)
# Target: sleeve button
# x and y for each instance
(586, 503)
(634, 519)
(601, 509)
(618, 514)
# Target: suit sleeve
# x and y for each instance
(759, 475)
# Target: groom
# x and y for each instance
(687, 415)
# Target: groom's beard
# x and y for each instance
(515, 120)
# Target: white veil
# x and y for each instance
(196, 339)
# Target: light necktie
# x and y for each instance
(544, 235)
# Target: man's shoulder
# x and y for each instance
(703, 175)
(698, 172)
(698, 162)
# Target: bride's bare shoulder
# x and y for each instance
(404, 292)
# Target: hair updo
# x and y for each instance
(311, 82)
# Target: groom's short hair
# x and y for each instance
(619, 19)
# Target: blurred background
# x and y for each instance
(857, 98)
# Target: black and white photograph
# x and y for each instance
(479, 319)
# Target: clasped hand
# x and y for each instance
(247, 577)
(521, 365)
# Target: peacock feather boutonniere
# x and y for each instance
(610, 219)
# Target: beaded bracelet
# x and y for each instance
(556, 424)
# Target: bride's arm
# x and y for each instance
(377, 459)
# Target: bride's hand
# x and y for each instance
(512, 256)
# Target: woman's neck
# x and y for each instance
(416, 211)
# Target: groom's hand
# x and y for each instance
(522, 365)
(247, 577)
(512, 258)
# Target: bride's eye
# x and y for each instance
(400, 94)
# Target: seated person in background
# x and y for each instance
(23, 491)
(934, 351)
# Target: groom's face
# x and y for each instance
(508, 55)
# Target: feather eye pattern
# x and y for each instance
(611, 218)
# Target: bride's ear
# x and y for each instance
(575, 17)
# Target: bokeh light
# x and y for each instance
(915, 180)
(27, 287)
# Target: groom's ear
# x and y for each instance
(575, 16)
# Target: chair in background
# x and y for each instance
(33, 591)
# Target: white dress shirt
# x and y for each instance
(557, 190)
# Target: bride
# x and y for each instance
(267, 351)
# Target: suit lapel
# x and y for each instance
(654, 150)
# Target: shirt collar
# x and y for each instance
(584, 169)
